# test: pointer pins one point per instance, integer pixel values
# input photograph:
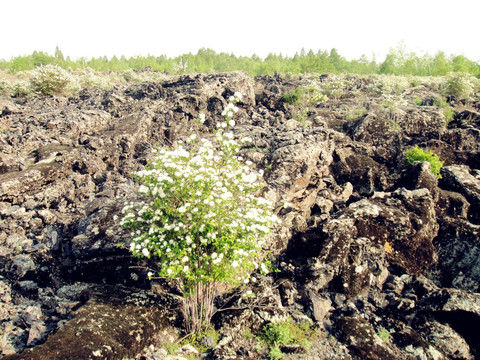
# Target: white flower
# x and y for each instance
(201, 117)
(234, 264)
(145, 252)
(185, 268)
(263, 268)
(238, 95)
(149, 274)
(185, 259)
(169, 271)
(231, 122)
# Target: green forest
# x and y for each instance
(398, 61)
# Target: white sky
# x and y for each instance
(92, 28)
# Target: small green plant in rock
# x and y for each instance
(203, 341)
(385, 335)
(301, 116)
(389, 104)
(275, 353)
(291, 97)
(447, 110)
(355, 113)
(305, 95)
(418, 154)
(276, 334)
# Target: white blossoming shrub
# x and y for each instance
(199, 216)
(389, 84)
(49, 79)
(460, 85)
(5, 87)
(90, 79)
(20, 89)
(334, 87)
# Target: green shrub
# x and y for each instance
(291, 97)
(49, 79)
(417, 154)
(301, 115)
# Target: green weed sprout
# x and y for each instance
(417, 154)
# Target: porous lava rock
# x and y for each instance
(380, 256)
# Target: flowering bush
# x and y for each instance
(460, 85)
(49, 79)
(199, 217)
(20, 89)
(5, 87)
(389, 84)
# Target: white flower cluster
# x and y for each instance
(198, 214)
(230, 110)
(49, 79)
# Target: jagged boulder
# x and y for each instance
(351, 253)
(110, 328)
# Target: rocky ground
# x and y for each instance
(380, 255)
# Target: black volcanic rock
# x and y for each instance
(379, 254)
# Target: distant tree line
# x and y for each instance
(398, 61)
